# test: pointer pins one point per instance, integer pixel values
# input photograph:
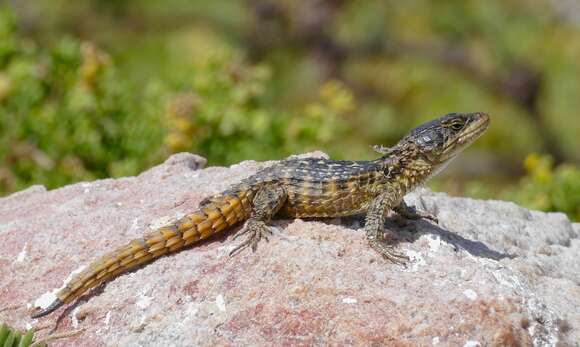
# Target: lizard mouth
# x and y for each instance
(474, 130)
(469, 134)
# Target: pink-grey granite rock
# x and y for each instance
(489, 274)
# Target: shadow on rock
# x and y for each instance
(475, 248)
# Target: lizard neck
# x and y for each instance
(405, 169)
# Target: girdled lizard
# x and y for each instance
(301, 188)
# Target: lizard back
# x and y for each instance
(326, 188)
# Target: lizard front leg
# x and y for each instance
(374, 225)
(268, 200)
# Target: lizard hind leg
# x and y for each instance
(265, 205)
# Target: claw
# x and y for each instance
(388, 252)
(381, 149)
(412, 213)
(240, 233)
(430, 216)
(426, 215)
(257, 230)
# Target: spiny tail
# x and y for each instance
(218, 214)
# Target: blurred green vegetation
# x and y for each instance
(92, 89)
(13, 338)
(548, 188)
(66, 114)
(544, 187)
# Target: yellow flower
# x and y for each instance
(532, 161)
(176, 142)
(183, 125)
(337, 96)
(539, 167)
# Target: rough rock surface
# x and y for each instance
(491, 273)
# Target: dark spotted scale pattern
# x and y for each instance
(325, 188)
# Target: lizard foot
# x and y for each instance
(413, 214)
(429, 216)
(388, 252)
(256, 230)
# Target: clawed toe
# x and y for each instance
(389, 253)
(396, 257)
(429, 216)
(244, 231)
(413, 214)
(256, 231)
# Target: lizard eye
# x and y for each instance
(456, 126)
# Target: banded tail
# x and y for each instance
(217, 215)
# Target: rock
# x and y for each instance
(491, 273)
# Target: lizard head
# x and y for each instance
(442, 139)
(427, 149)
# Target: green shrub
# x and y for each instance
(221, 112)
(67, 115)
(548, 188)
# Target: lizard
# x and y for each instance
(298, 188)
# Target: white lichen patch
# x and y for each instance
(143, 301)
(134, 227)
(107, 319)
(48, 298)
(220, 303)
(86, 187)
(223, 251)
(74, 318)
(470, 294)
(191, 308)
(349, 301)
(434, 244)
(22, 255)
(416, 260)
